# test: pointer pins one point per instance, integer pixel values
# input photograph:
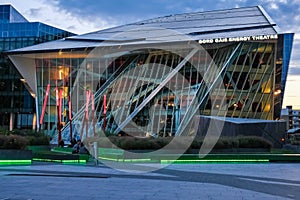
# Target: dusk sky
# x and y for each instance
(80, 16)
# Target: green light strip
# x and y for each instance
(138, 160)
(110, 159)
(60, 161)
(15, 162)
(125, 160)
(189, 161)
(213, 161)
(74, 161)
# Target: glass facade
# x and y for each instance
(17, 109)
(131, 84)
(250, 74)
(9, 14)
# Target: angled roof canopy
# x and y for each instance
(237, 22)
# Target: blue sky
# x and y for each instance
(81, 16)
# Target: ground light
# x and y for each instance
(188, 161)
(214, 161)
(15, 162)
(61, 161)
(126, 160)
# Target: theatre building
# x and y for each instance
(162, 76)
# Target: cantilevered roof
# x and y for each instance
(237, 22)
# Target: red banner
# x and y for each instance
(88, 95)
(60, 105)
(57, 97)
(104, 104)
(44, 104)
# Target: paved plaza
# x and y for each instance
(180, 181)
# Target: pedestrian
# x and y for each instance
(83, 149)
(76, 147)
(73, 142)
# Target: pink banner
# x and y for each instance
(70, 107)
(57, 97)
(44, 104)
(88, 95)
(60, 104)
(104, 104)
(93, 103)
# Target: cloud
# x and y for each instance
(274, 6)
(279, 1)
(34, 12)
(117, 11)
(122, 12)
(90, 15)
(294, 71)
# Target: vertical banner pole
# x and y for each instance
(104, 112)
(58, 113)
(70, 115)
(44, 105)
(86, 116)
(88, 95)
(93, 114)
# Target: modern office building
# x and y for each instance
(292, 117)
(17, 108)
(155, 76)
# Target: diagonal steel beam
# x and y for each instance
(193, 108)
(156, 90)
(111, 80)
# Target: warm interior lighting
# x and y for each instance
(266, 87)
(267, 108)
(277, 92)
(88, 66)
(60, 74)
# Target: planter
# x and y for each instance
(39, 148)
(15, 157)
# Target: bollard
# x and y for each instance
(96, 153)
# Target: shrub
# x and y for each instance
(4, 131)
(2, 140)
(132, 143)
(253, 142)
(197, 143)
(19, 139)
(13, 142)
(38, 140)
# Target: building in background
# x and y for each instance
(292, 117)
(152, 78)
(17, 107)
